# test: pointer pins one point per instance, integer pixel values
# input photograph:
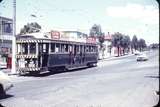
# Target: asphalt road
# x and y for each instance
(115, 82)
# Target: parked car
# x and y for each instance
(137, 53)
(142, 57)
(5, 84)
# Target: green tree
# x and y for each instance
(96, 32)
(125, 43)
(30, 28)
(141, 44)
(134, 43)
(117, 41)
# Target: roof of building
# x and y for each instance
(6, 18)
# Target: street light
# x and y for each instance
(13, 70)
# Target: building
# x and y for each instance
(6, 30)
(106, 51)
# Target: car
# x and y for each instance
(5, 84)
(137, 53)
(142, 57)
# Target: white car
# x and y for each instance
(5, 83)
(137, 53)
(142, 57)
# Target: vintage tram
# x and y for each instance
(40, 52)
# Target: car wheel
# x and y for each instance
(2, 92)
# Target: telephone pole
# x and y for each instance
(14, 39)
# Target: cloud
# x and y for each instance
(145, 13)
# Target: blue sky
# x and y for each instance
(130, 17)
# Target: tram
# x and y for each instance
(40, 52)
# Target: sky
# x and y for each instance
(129, 17)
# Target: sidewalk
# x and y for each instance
(116, 57)
(7, 71)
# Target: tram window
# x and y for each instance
(70, 48)
(77, 49)
(90, 49)
(94, 49)
(32, 48)
(57, 47)
(53, 47)
(62, 48)
(44, 47)
(25, 48)
(84, 49)
(87, 48)
(66, 47)
(19, 48)
(81, 49)
(40, 48)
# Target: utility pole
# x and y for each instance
(14, 39)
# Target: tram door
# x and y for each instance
(44, 53)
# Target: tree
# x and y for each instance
(117, 41)
(96, 32)
(141, 44)
(125, 43)
(30, 28)
(134, 43)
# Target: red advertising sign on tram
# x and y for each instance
(91, 40)
(55, 35)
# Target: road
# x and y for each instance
(116, 82)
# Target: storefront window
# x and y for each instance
(6, 27)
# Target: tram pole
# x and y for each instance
(13, 70)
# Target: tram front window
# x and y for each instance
(32, 48)
(25, 48)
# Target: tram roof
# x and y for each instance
(48, 35)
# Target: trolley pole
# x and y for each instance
(13, 70)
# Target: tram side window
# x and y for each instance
(78, 49)
(62, 48)
(44, 47)
(66, 47)
(94, 49)
(90, 50)
(81, 49)
(70, 48)
(32, 48)
(57, 47)
(87, 49)
(25, 48)
(53, 47)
